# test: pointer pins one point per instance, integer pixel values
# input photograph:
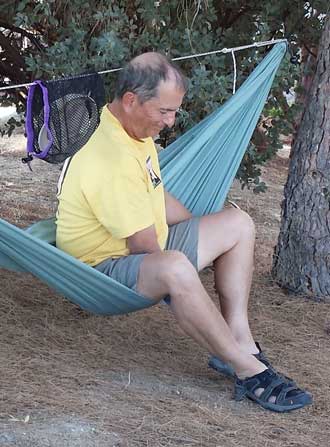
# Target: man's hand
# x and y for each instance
(175, 211)
(144, 241)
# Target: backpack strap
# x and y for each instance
(33, 141)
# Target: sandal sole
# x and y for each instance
(281, 408)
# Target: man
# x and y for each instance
(115, 215)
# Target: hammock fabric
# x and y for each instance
(198, 169)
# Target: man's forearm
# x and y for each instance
(175, 211)
(144, 241)
(136, 249)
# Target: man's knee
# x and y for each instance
(242, 222)
(163, 273)
(246, 222)
(176, 268)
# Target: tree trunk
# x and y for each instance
(301, 262)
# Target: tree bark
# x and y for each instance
(301, 262)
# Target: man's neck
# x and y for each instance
(117, 111)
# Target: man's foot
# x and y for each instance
(272, 391)
(227, 370)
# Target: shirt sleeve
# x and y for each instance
(121, 202)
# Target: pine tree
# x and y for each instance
(302, 255)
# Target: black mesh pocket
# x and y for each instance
(62, 115)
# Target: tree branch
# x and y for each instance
(308, 50)
(13, 54)
(13, 72)
(22, 32)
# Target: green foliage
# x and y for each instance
(55, 38)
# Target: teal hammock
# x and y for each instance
(198, 169)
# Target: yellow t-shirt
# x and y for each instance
(108, 191)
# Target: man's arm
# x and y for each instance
(144, 241)
(175, 211)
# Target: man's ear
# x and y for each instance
(128, 101)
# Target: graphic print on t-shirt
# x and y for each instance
(155, 180)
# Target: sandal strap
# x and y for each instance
(284, 393)
(273, 384)
(261, 356)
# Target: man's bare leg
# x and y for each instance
(171, 273)
(227, 239)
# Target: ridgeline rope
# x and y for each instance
(181, 58)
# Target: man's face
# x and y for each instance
(149, 118)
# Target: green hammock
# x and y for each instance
(198, 169)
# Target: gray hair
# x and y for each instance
(143, 78)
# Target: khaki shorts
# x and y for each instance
(182, 237)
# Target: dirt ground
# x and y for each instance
(71, 379)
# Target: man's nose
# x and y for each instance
(169, 119)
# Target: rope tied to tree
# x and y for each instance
(190, 56)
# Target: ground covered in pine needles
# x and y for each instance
(71, 379)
